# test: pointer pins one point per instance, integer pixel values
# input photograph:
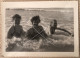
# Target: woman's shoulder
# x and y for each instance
(11, 28)
(30, 29)
(40, 27)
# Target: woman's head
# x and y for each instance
(16, 18)
(35, 20)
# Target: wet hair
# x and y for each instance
(55, 20)
(16, 16)
(35, 18)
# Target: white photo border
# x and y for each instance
(42, 4)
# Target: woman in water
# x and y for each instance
(15, 33)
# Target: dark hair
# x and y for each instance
(16, 16)
(35, 18)
(55, 20)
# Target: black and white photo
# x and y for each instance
(29, 28)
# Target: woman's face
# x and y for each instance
(35, 23)
(17, 21)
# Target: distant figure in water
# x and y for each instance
(15, 32)
(37, 31)
(53, 26)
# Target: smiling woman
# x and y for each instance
(37, 31)
(15, 33)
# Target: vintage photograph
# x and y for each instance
(40, 29)
(35, 30)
